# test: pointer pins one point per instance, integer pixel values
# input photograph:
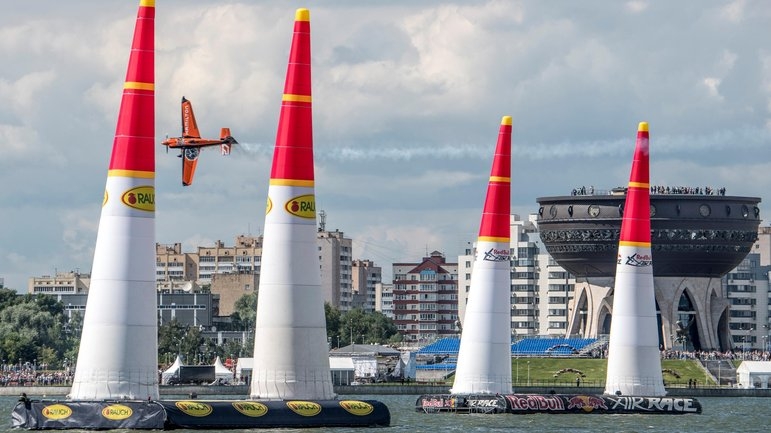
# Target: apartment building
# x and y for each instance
(336, 262)
(384, 299)
(365, 276)
(61, 283)
(541, 290)
(244, 257)
(425, 298)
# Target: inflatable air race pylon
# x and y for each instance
(118, 356)
(291, 358)
(634, 358)
(484, 359)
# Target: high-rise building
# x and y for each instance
(425, 298)
(541, 289)
(336, 260)
(384, 299)
(365, 276)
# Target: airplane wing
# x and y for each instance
(189, 161)
(189, 125)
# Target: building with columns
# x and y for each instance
(696, 240)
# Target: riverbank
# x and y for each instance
(240, 391)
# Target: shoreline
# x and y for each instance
(418, 389)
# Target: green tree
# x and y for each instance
(31, 329)
(367, 328)
(245, 312)
(332, 316)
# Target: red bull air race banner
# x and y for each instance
(557, 403)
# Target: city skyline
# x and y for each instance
(407, 98)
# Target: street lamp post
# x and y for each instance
(528, 373)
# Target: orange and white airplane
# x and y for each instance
(191, 143)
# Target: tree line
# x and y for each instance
(36, 330)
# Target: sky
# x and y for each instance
(407, 99)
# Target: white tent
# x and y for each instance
(244, 370)
(342, 370)
(221, 373)
(171, 371)
(753, 374)
(365, 366)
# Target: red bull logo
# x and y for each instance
(104, 200)
(56, 411)
(356, 407)
(251, 408)
(304, 408)
(639, 260)
(117, 412)
(141, 198)
(536, 403)
(194, 408)
(587, 403)
(303, 206)
(269, 206)
(496, 255)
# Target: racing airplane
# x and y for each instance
(191, 143)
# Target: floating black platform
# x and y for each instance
(197, 414)
(555, 404)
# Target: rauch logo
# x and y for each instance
(117, 412)
(193, 408)
(303, 206)
(250, 408)
(356, 407)
(56, 411)
(141, 197)
(304, 408)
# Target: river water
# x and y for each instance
(720, 414)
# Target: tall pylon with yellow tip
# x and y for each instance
(291, 358)
(118, 348)
(484, 360)
(634, 360)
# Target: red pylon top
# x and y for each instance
(495, 216)
(293, 153)
(133, 150)
(636, 221)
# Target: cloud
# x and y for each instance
(407, 99)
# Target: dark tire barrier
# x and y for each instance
(198, 414)
(556, 404)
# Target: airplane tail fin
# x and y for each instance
(228, 141)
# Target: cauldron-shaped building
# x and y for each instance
(695, 239)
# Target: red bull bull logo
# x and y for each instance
(587, 403)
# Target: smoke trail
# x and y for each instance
(745, 138)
